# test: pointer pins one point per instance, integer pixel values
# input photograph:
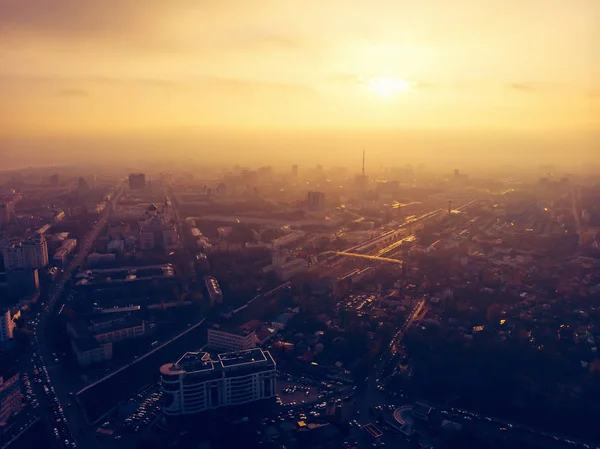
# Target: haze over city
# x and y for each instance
(277, 224)
(308, 80)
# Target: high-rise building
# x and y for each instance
(294, 171)
(196, 382)
(316, 200)
(82, 184)
(26, 253)
(137, 181)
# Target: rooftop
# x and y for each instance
(85, 344)
(194, 362)
(198, 362)
(242, 357)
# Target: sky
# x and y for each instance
(91, 71)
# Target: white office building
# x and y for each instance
(196, 383)
(219, 340)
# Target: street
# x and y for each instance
(57, 407)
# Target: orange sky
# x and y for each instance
(86, 67)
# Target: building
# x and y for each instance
(106, 328)
(290, 268)
(11, 401)
(7, 326)
(422, 411)
(137, 181)
(4, 214)
(88, 351)
(214, 291)
(294, 171)
(61, 255)
(92, 341)
(288, 239)
(26, 253)
(23, 281)
(316, 200)
(224, 232)
(157, 229)
(221, 189)
(97, 259)
(59, 258)
(281, 321)
(146, 240)
(196, 383)
(82, 184)
(219, 340)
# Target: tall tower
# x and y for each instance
(363, 166)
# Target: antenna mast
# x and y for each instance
(363, 167)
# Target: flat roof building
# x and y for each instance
(92, 341)
(237, 340)
(196, 382)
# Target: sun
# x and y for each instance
(387, 86)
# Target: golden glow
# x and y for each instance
(194, 70)
(387, 86)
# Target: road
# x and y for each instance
(65, 421)
(369, 395)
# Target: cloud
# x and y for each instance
(83, 86)
(521, 87)
(148, 25)
(72, 93)
(354, 79)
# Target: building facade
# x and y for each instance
(316, 200)
(92, 342)
(23, 281)
(11, 401)
(7, 326)
(26, 253)
(88, 351)
(219, 340)
(196, 383)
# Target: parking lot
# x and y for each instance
(294, 393)
(134, 417)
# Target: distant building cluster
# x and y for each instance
(137, 181)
